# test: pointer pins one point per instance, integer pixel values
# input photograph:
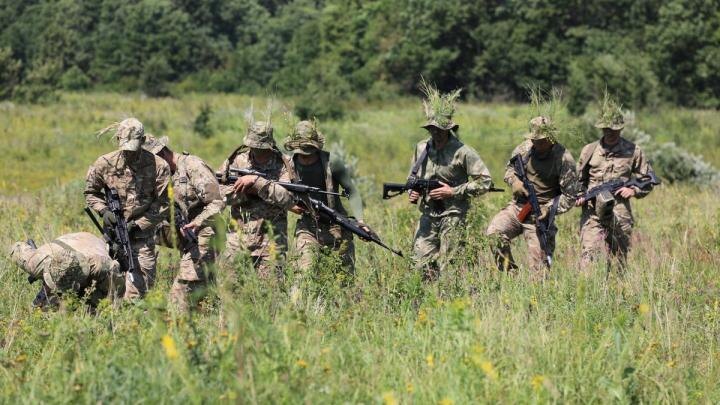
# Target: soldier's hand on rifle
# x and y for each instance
(193, 227)
(413, 197)
(244, 184)
(580, 201)
(518, 189)
(297, 209)
(109, 219)
(625, 192)
(441, 193)
(133, 228)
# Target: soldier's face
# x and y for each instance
(542, 145)
(611, 133)
(438, 134)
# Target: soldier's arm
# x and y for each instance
(479, 179)
(208, 189)
(159, 208)
(94, 189)
(342, 176)
(275, 194)
(568, 183)
(582, 178)
(510, 176)
(641, 167)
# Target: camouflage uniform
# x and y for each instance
(328, 173)
(196, 192)
(553, 176)
(261, 218)
(599, 164)
(141, 180)
(76, 262)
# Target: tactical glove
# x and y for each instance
(133, 229)
(518, 189)
(109, 218)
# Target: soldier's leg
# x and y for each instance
(619, 235)
(427, 246)
(451, 242)
(504, 227)
(592, 240)
(345, 246)
(139, 282)
(536, 256)
(307, 247)
(195, 265)
(233, 246)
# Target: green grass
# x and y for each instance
(476, 335)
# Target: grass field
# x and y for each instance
(651, 335)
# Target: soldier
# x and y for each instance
(315, 167)
(258, 205)
(607, 221)
(551, 170)
(196, 193)
(74, 263)
(141, 180)
(461, 172)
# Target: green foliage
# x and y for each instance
(155, 76)
(74, 79)
(202, 126)
(9, 73)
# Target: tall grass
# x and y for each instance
(648, 335)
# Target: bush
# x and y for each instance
(10, 70)
(201, 126)
(155, 76)
(74, 79)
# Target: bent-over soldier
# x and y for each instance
(74, 263)
(607, 220)
(550, 169)
(141, 180)
(196, 195)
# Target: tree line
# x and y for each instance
(645, 51)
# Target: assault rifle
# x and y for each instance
(422, 186)
(188, 235)
(614, 185)
(349, 224)
(117, 235)
(532, 205)
(234, 174)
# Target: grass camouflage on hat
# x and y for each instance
(130, 133)
(305, 138)
(155, 145)
(611, 115)
(259, 134)
(20, 253)
(63, 270)
(439, 108)
(543, 108)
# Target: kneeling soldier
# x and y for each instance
(196, 194)
(74, 263)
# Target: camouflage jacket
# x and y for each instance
(272, 201)
(600, 164)
(142, 186)
(552, 176)
(459, 166)
(196, 188)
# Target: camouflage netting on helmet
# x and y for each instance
(305, 134)
(259, 133)
(611, 114)
(129, 133)
(439, 108)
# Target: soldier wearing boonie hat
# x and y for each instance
(316, 167)
(257, 205)
(72, 263)
(196, 192)
(141, 180)
(439, 231)
(551, 170)
(607, 221)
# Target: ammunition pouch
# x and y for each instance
(604, 204)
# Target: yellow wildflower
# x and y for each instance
(170, 349)
(301, 363)
(446, 401)
(671, 364)
(644, 309)
(537, 382)
(389, 398)
(430, 360)
(489, 370)
(422, 316)
(410, 388)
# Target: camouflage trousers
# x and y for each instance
(609, 239)
(310, 239)
(138, 283)
(436, 240)
(194, 274)
(264, 240)
(505, 227)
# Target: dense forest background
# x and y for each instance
(646, 51)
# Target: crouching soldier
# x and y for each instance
(76, 263)
(197, 203)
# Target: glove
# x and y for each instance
(133, 228)
(109, 218)
(518, 189)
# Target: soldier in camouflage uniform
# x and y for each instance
(196, 193)
(315, 167)
(258, 205)
(551, 170)
(141, 180)
(461, 172)
(604, 230)
(74, 263)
